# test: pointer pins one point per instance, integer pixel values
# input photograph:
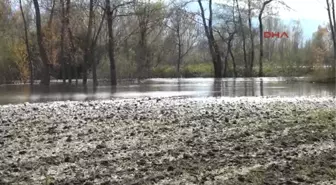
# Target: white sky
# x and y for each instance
(305, 9)
(311, 13)
(302, 9)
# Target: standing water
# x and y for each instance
(156, 87)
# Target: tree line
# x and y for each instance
(76, 41)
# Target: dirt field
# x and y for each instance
(170, 141)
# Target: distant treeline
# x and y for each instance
(75, 39)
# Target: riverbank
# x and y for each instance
(323, 76)
(169, 141)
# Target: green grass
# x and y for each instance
(323, 76)
(187, 71)
(205, 69)
(165, 71)
(198, 70)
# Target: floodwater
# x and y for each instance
(187, 87)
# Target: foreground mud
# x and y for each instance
(170, 141)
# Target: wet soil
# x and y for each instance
(170, 141)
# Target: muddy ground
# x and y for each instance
(208, 141)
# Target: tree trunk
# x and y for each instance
(93, 59)
(87, 55)
(141, 51)
(46, 76)
(218, 68)
(94, 67)
(229, 52)
(179, 45)
(333, 14)
(261, 88)
(27, 45)
(51, 15)
(252, 38)
(226, 57)
(213, 47)
(68, 53)
(149, 56)
(76, 74)
(63, 73)
(50, 47)
(261, 30)
(69, 70)
(261, 50)
(233, 63)
(179, 59)
(113, 75)
(230, 46)
(332, 26)
(244, 39)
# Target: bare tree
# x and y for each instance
(93, 57)
(142, 48)
(261, 30)
(183, 28)
(62, 42)
(251, 60)
(27, 45)
(213, 46)
(332, 23)
(229, 52)
(88, 44)
(244, 38)
(71, 46)
(50, 46)
(109, 12)
(179, 39)
(233, 60)
(46, 64)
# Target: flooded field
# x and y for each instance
(191, 87)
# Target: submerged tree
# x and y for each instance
(212, 43)
(332, 23)
(43, 54)
(88, 44)
(261, 31)
(109, 12)
(27, 44)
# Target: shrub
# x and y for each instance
(165, 71)
(198, 70)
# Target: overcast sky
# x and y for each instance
(306, 9)
(311, 13)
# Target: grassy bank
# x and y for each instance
(206, 70)
(127, 71)
(323, 76)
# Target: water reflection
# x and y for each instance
(253, 90)
(191, 87)
(261, 87)
(217, 87)
(249, 87)
(234, 87)
(245, 88)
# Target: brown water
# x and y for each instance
(191, 87)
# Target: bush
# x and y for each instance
(165, 71)
(198, 70)
(322, 75)
(187, 71)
